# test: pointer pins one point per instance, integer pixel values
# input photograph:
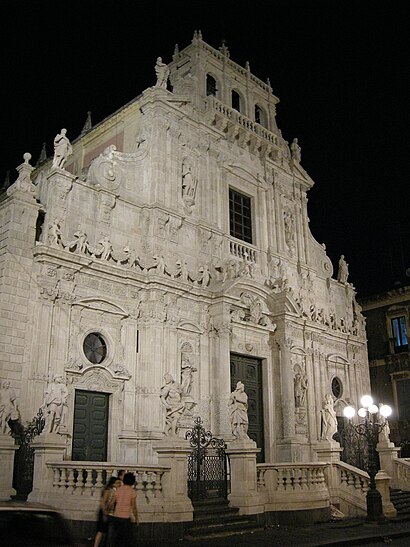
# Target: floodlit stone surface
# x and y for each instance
(128, 235)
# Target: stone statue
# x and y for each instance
(171, 399)
(343, 272)
(187, 370)
(8, 405)
(55, 405)
(81, 241)
(300, 387)
(162, 72)
(384, 435)
(189, 182)
(106, 248)
(295, 151)
(62, 149)
(329, 420)
(54, 232)
(238, 412)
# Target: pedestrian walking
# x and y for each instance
(103, 511)
(124, 514)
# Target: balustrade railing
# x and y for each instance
(402, 472)
(235, 116)
(239, 250)
(74, 478)
(284, 477)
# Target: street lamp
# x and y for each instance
(374, 420)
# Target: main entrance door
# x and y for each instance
(90, 431)
(249, 371)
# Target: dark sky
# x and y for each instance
(339, 67)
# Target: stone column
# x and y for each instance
(244, 491)
(48, 447)
(382, 485)
(173, 452)
(387, 454)
(7, 450)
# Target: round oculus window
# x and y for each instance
(337, 387)
(95, 348)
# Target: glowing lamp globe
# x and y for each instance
(373, 409)
(366, 401)
(385, 411)
(362, 412)
(349, 412)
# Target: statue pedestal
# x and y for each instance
(7, 450)
(387, 454)
(244, 489)
(48, 447)
(173, 452)
(329, 452)
(382, 485)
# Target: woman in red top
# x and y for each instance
(124, 505)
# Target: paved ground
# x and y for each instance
(349, 532)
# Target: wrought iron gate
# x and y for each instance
(354, 447)
(208, 466)
(24, 455)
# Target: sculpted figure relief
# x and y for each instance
(54, 232)
(343, 272)
(170, 395)
(189, 182)
(329, 420)
(300, 387)
(8, 405)
(187, 375)
(238, 412)
(62, 149)
(162, 73)
(55, 404)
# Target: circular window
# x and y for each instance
(95, 348)
(337, 387)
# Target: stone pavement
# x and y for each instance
(345, 532)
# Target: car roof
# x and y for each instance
(14, 505)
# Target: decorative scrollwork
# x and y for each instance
(198, 437)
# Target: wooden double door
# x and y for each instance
(248, 370)
(90, 430)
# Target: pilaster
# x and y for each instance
(7, 449)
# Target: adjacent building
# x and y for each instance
(387, 325)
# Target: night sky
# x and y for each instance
(340, 69)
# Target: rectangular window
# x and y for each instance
(398, 327)
(240, 219)
(403, 398)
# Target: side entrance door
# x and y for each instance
(248, 370)
(90, 430)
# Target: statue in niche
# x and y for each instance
(238, 412)
(300, 387)
(329, 420)
(55, 405)
(189, 182)
(62, 149)
(170, 396)
(162, 73)
(343, 272)
(54, 233)
(289, 223)
(187, 375)
(295, 151)
(8, 406)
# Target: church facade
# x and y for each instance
(173, 239)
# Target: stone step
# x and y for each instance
(222, 529)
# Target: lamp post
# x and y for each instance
(373, 421)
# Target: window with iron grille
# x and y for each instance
(240, 216)
(210, 85)
(236, 101)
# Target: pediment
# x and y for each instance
(102, 305)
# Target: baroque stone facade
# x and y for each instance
(165, 239)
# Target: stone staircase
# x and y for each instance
(401, 501)
(215, 518)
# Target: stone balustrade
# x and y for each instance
(244, 252)
(77, 486)
(290, 486)
(401, 469)
(236, 117)
(348, 486)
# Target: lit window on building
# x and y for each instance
(240, 219)
(398, 325)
